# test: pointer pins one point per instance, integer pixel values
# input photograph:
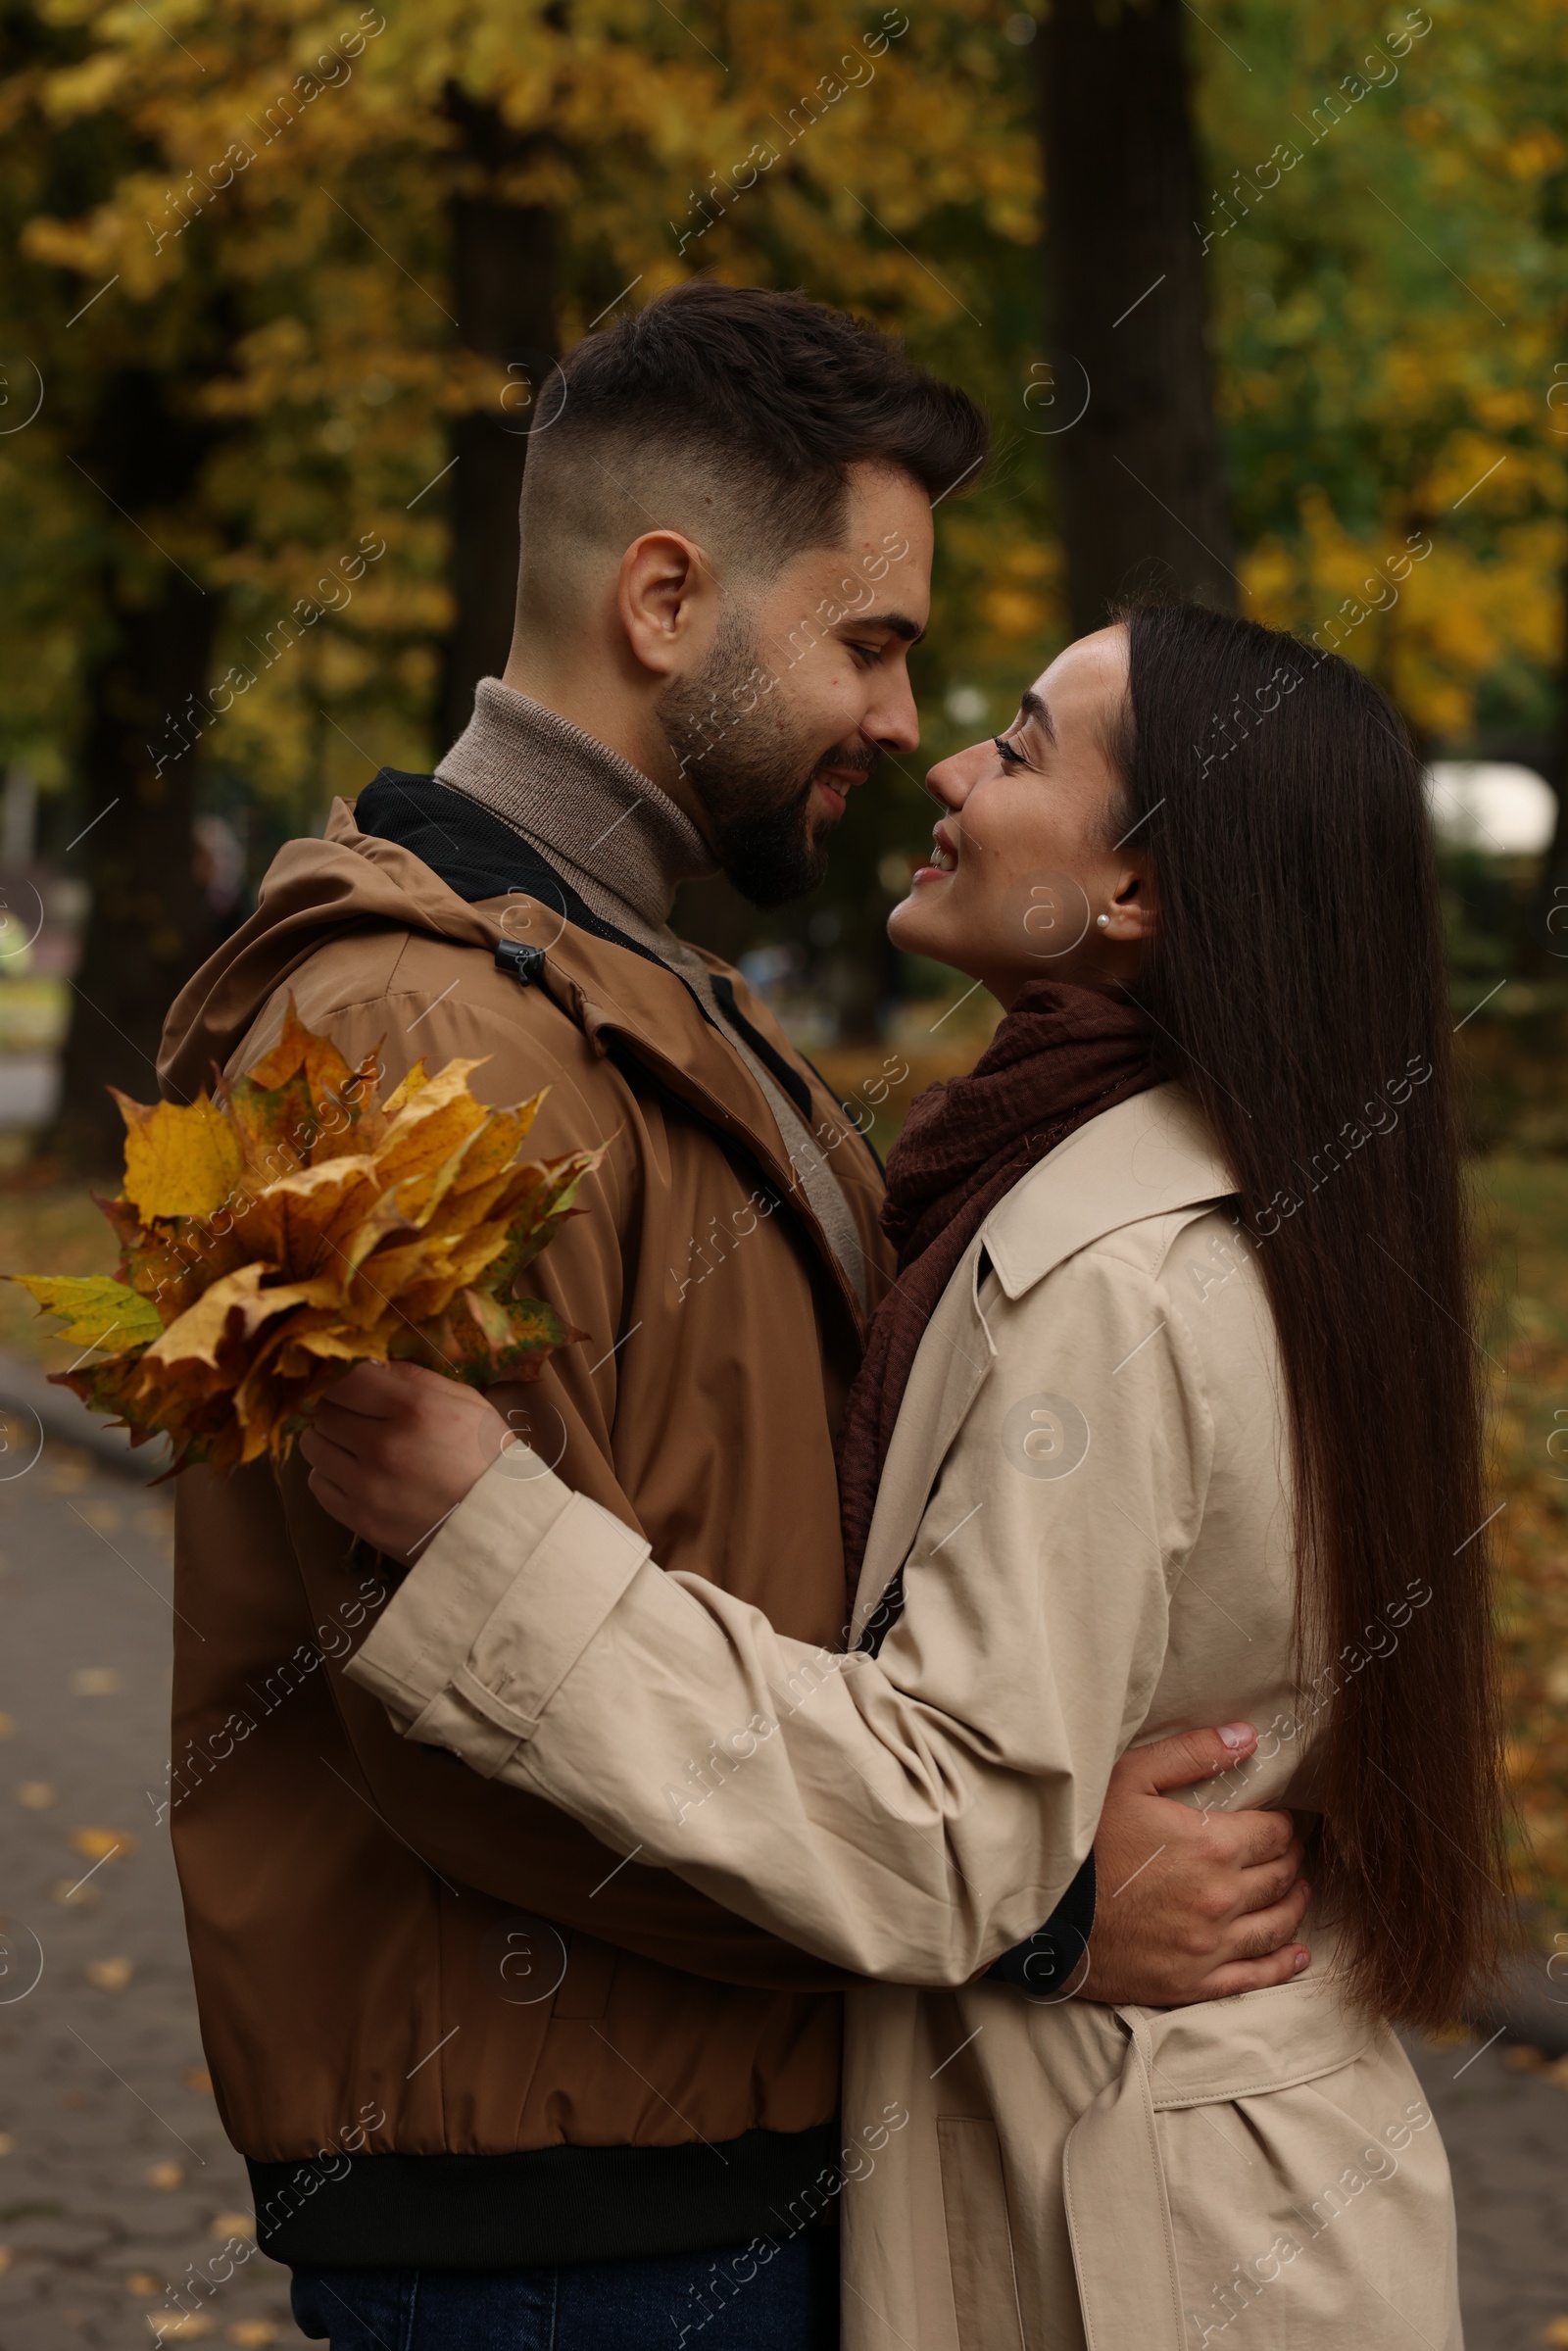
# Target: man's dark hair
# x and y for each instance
(746, 409)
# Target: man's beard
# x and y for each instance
(752, 769)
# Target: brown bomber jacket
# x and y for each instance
(443, 2022)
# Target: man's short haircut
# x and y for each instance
(734, 414)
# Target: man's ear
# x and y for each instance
(667, 599)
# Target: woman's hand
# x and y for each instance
(393, 1449)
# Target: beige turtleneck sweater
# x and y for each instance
(624, 847)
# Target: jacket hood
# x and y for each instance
(312, 890)
(414, 858)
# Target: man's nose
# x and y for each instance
(894, 723)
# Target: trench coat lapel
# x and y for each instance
(1148, 1156)
(947, 1373)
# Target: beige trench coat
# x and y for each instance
(1088, 1491)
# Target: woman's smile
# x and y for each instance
(944, 859)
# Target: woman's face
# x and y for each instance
(1026, 858)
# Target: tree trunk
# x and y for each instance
(148, 927)
(148, 924)
(1543, 950)
(503, 270)
(1140, 478)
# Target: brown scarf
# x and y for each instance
(1061, 1057)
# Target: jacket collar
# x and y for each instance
(1148, 1156)
(619, 841)
(625, 997)
(634, 1004)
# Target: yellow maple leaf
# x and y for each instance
(304, 1052)
(99, 1308)
(180, 1159)
(402, 1095)
(492, 1151)
(229, 1315)
(302, 1223)
(428, 1137)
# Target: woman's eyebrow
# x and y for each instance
(1031, 706)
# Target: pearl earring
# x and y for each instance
(1104, 921)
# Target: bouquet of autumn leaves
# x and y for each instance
(294, 1224)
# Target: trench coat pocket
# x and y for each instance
(974, 2199)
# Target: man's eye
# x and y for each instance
(1014, 758)
(867, 654)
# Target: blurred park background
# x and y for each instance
(1265, 298)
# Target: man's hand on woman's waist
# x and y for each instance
(1192, 1904)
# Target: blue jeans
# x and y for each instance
(722, 2299)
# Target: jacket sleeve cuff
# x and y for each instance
(496, 1612)
(1044, 1962)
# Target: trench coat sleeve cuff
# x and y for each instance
(496, 1612)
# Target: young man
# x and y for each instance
(497, 2083)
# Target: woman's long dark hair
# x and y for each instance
(1298, 986)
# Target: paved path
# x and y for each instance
(1507, 2140)
(116, 2178)
(29, 1089)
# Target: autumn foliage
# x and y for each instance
(297, 1224)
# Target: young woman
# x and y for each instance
(1171, 1417)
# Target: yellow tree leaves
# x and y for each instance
(1388, 311)
(95, 1308)
(178, 1163)
(1389, 314)
(299, 1224)
(291, 167)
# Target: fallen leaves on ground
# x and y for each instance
(296, 1224)
(1523, 1215)
(96, 1845)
